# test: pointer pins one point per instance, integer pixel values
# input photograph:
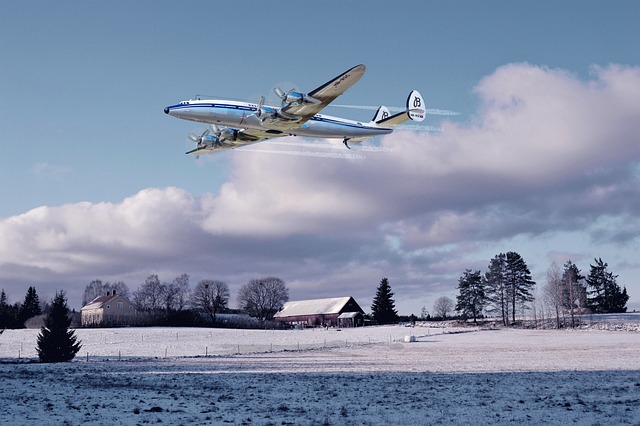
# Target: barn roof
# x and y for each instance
(349, 315)
(313, 307)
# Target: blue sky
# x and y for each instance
(542, 160)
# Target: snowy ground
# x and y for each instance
(358, 376)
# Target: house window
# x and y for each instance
(108, 306)
(120, 305)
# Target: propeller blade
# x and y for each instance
(198, 139)
(258, 112)
(279, 92)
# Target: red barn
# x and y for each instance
(333, 312)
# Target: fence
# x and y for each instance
(156, 343)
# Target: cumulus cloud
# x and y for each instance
(546, 153)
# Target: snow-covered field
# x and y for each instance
(353, 376)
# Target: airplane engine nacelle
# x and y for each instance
(266, 113)
(297, 98)
(229, 134)
(209, 140)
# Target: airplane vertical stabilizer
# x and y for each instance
(381, 114)
(415, 106)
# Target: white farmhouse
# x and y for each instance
(107, 310)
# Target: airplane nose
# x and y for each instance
(166, 110)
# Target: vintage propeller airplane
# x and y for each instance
(235, 123)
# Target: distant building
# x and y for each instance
(107, 310)
(333, 312)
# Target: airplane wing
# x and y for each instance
(325, 94)
(245, 137)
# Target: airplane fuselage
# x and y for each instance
(239, 114)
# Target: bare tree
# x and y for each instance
(97, 288)
(210, 297)
(262, 298)
(553, 290)
(94, 289)
(180, 286)
(574, 293)
(442, 306)
(424, 314)
(151, 294)
(119, 287)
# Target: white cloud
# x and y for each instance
(50, 171)
(546, 154)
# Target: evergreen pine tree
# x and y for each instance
(30, 307)
(605, 295)
(496, 287)
(519, 282)
(56, 343)
(619, 301)
(383, 306)
(8, 313)
(471, 299)
(4, 311)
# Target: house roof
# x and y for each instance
(100, 301)
(313, 307)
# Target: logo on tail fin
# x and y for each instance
(381, 114)
(415, 106)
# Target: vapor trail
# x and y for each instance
(430, 111)
(338, 147)
(336, 155)
(419, 127)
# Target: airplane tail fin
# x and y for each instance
(415, 111)
(381, 114)
(415, 106)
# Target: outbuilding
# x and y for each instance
(332, 312)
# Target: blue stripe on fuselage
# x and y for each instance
(324, 119)
(225, 106)
(317, 118)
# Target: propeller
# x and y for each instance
(199, 139)
(264, 113)
(269, 115)
(294, 98)
(214, 137)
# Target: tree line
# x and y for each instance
(175, 303)
(16, 315)
(506, 290)
(172, 303)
